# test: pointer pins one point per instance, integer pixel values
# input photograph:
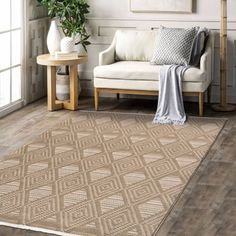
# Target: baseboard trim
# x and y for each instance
(11, 108)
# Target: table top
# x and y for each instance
(49, 60)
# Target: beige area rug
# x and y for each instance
(102, 174)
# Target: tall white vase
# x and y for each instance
(53, 38)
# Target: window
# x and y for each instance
(10, 53)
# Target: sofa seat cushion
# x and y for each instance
(146, 85)
(134, 70)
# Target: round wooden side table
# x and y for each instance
(51, 62)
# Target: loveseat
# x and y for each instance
(124, 68)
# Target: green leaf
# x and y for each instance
(72, 15)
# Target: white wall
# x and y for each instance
(108, 15)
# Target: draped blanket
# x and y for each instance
(170, 108)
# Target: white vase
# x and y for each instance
(68, 44)
(53, 38)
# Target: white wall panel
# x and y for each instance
(37, 24)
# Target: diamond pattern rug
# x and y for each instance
(102, 174)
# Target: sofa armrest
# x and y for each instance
(108, 56)
(206, 64)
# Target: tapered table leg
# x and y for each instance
(74, 87)
(73, 103)
(51, 87)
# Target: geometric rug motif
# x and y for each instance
(102, 174)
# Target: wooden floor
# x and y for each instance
(208, 205)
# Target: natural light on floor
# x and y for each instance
(10, 48)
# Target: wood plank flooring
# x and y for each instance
(208, 205)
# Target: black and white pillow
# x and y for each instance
(173, 46)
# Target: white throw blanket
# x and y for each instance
(170, 108)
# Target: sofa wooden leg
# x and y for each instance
(96, 97)
(209, 94)
(201, 103)
(118, 96)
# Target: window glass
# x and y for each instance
(16, 84)
(16, 14)
(5, 15)
(5, 51)
(5, 88)
(16, 47)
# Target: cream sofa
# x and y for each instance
(124, 68)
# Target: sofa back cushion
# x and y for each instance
(134, 45)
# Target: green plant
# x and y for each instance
(72, 17)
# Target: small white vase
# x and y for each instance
(68, 44)
(53, 38)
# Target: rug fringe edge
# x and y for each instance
(37, 229)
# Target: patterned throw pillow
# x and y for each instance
(173, 46)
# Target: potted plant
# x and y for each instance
(71, 15)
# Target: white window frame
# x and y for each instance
(12, 106)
